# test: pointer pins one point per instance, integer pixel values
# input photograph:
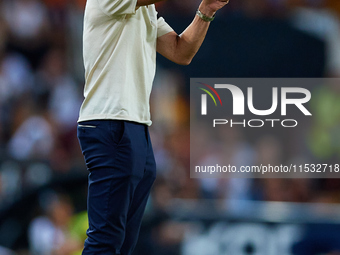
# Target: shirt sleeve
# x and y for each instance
(163, 27)
(117, 7)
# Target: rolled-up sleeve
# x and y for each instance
(163, 27)
(117, 7)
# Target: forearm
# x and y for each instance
(182, 48)
(189, 42)
(146, 2)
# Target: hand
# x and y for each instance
(210, 7)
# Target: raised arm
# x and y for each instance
(182, 48)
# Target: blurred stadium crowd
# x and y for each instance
(41, 82)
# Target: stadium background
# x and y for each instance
(43, 178)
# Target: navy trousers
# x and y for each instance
(122, 169)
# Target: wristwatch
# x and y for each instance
(204, 17)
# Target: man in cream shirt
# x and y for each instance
(121, 38)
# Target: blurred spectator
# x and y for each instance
(177, 143)
(15, 77)
(28, 24)
(64, 98)
(63, 102)
(269, 152)
(50, 234)
(230, 149)
(37, 175)
(16, 80)
(33, 138)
